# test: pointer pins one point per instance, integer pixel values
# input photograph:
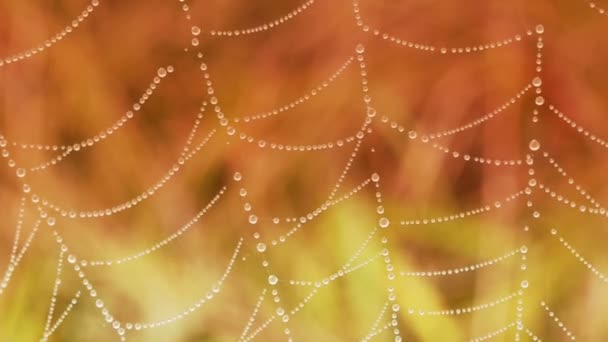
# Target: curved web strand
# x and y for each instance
(462, 215)
(263, 143)
(412, 135)
(269, 25)
(579, 129)
(532, 335)
(476, 159)
(601, 276)
(376, 322)
(160, 244)
(254, 219)
(463, 127)
(427, 47)
(253, 315)
(465, 310)
(66, 150)
(75, 23)
(342, 272)
(122, 327)
(51, 310)
(17, 253)
(377, 332)
(215, 290)
(284, 237)
(300, 100)
(64, 314)
(571, 182)
(557, 321)
(597, 8)
(467, 268)
(297, 308)
(175, 168)
(543, 188)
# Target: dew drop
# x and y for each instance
(375, 177)
(71, 259)
(21, 173)
(540, 29)
(360, 48)
(371, 112)
(534, 145)
(162, 72)
(261, 247)
(196, 30)
(537, 82)
(272, 279)
(237, 176)
(539, 100)
(524, 284)
(253, 219)
(384, 222)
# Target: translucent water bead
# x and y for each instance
(534, 145)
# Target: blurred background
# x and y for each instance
(88, 80)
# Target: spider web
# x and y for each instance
(278, 298)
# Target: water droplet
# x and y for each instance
(539, 100)
(384, 222)
(237, 176)
(375, 177)
(371, 112)
(534, 145)
(360, 48)
(50, 221)
(540, 29)
(261, 247)
(253, 219)
(71, 259)
(21, 173)
(524, 284)
(272, 279)
(412, 134)
(196, 30)
(162, 72)
(537, 82)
